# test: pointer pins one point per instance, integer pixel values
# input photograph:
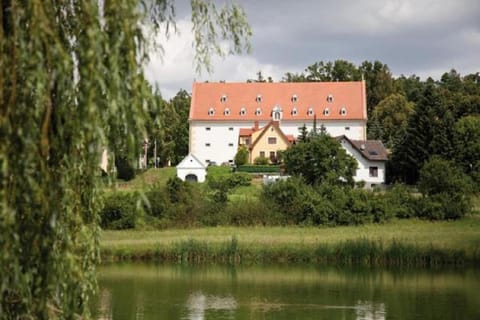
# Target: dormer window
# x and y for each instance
(223, 98)
(226, 112)
(330, 98)
(343, 111)
(277, 113)
(258, 111)
(243, 111)
(258, 98)
(294, 111)
(326, 112)
(310, 111)
(211, 112)
(294, 98)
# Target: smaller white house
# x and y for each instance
(371, 157)
(191, 169)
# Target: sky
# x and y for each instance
(422, 37)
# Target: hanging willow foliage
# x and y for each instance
(72, 84)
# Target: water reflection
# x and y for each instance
(366, 310)
(198, 302)
(136, 291)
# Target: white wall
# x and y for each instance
(220, 136)
(363, 171)
(356, 128)
(199, 172)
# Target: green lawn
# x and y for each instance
(146, 179)
(445, 235)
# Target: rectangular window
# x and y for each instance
(347, 128)
(207, 144)
(231, 129)
(262, 154)
(373, 171)
(230, 144)
(247, 141)
(207, 128)
(272, 140)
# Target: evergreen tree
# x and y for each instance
(427, 133)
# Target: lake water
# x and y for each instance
(148, 291)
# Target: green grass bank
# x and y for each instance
(398, 243)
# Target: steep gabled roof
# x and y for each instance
(274, 124)
(191, 162)
(372, 150)
(298, 101)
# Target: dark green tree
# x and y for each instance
(379, 83)
(429, 132)
(339, 70)
(320, 159)
(181, 106)
(446, 190)
(467, 146)
(392, 114)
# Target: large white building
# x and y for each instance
(219, 111)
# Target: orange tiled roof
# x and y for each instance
(290, 138)
(298, 101)
(245, 132)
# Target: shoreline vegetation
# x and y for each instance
(414, 242)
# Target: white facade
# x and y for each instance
(191, 169)
(217, 141)
(370, 171)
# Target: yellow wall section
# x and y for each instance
(262, 144)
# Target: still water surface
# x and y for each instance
(148, 291)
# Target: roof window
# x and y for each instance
(258, 98)
(223, 98)
(310, 111)
(330, 98)
(326, 112)
(243, 111)
(294, 111)
(258, 111)
(343, 111)
(294, 98)
(226, 112)
(211, 112)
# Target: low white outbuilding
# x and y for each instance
(191, 169)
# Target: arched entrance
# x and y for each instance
(191, 177)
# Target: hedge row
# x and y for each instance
(259, 169)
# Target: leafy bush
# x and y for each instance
(260, 161)
(158, 204)
(446, 190)
(400, 202)
(241, 157)
(251, 212)
(119, 211)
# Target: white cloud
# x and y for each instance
(174, 69)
